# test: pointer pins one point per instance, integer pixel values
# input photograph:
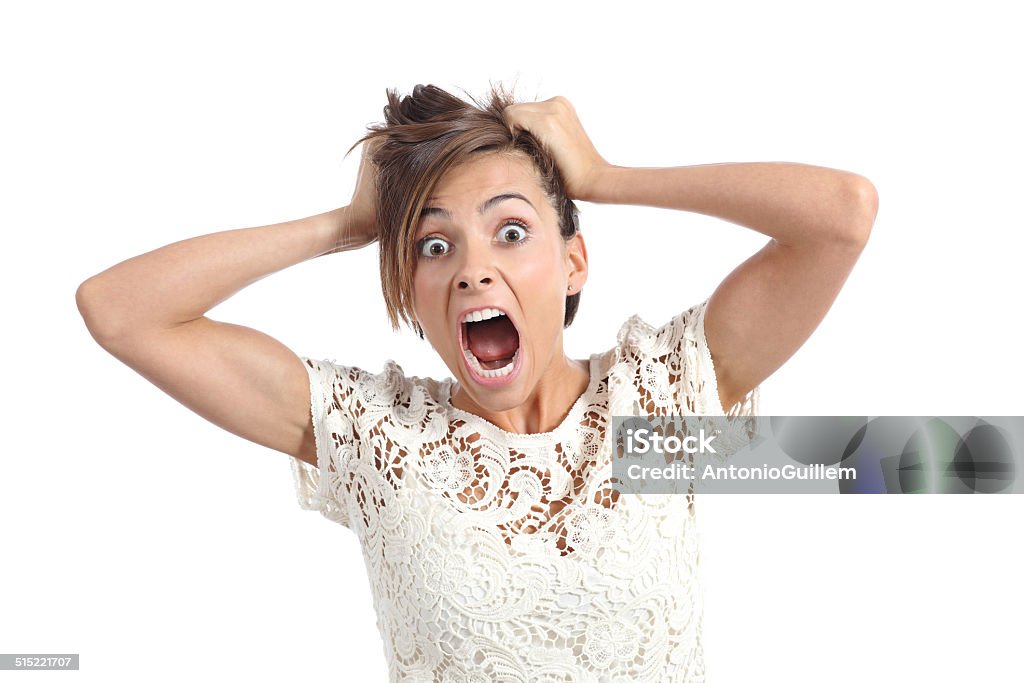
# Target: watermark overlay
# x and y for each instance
(13, 662)
(763, 454)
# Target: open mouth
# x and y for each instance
(490, 343)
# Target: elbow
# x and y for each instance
(861, 197)
(89, 301)
(84, 300)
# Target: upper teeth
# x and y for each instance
(484, 314)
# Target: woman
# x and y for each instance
(496, 546)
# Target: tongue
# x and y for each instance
(493, 339)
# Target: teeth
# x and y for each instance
(478, 316)
(484, 314)
(497, 372)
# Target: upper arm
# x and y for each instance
(237, 378)
(766, 308)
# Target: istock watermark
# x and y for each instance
(643, 440)
(763, 454)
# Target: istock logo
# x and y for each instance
(643, 440)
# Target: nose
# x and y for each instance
(478, 280)
(476, 270)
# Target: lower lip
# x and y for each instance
(491, 382)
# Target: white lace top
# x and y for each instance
(495, 556)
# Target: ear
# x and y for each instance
(576, 262)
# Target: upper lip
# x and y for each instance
(471, 309)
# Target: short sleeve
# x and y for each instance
(675, 372)
(698, 383)
(332, 394)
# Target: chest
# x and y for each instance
(555, 493)
(559, 491)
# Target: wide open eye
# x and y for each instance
(513, 232)
(433, 247)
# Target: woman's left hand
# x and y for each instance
(555, 125)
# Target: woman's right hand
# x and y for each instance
(358, 227)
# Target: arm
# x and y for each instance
(149, 312)
(819, 220)
(176, 284)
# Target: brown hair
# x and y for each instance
(424, 135)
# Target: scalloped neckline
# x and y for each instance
(570, 421)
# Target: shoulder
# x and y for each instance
(668, 366)
(332, 372)
(638, 337)
(354, 385)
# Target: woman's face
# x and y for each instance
(478, 248)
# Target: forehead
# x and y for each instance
(483, 176)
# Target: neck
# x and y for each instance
(555, 393)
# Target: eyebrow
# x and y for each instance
(483, 208)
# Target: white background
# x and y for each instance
(158, 546)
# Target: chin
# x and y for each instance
(495, 393)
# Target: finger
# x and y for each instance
(510, 121)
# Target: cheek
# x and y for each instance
(538, 278)
(542, 272)
(539, 281)
(428, 301)
(424, 283)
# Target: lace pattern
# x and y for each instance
(501, 556)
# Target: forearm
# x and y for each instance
(183, 280)
(793, 203)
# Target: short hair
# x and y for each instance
(424, 135)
